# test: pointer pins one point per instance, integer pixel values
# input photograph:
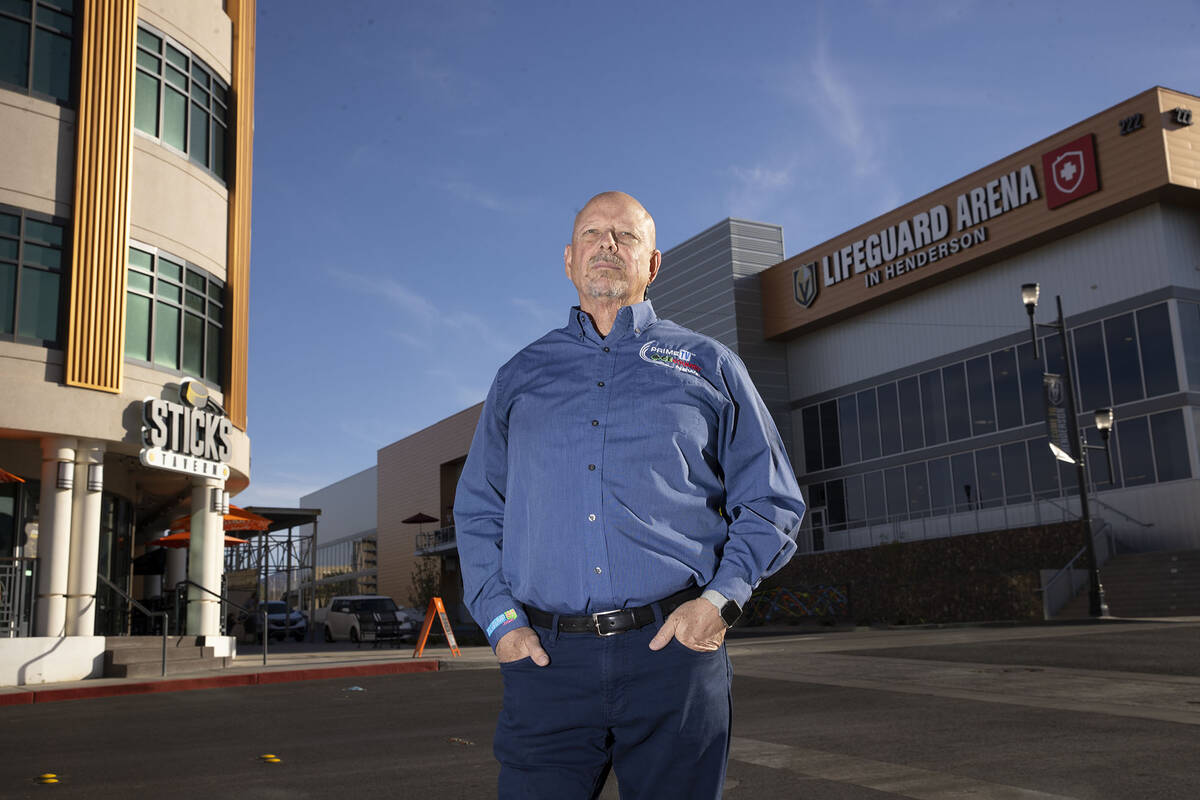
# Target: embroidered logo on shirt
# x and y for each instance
(682, 360)
(502, 619)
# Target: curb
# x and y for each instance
(214, 682)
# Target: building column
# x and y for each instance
(85, 538)
(54, 536)
(205, 562)
(177, 559)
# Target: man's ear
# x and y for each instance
(655, 263)
(567, 260)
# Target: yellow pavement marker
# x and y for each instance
(47, 777)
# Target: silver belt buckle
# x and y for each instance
(596, 624)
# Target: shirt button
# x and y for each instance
(599, 383)
(598, 570)
(591, 517)
(591, 466)
(606, 349)
(595, 422)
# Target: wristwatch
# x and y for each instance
(731, 612)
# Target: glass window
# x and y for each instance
(889, 419)
(35, 55)
(1137, 462)
(918, 487)
(168, 326)
(1092, 376)
(39, 304)
(1016, 472)
(810, 420)
(875, 497)
(933, 408)
(1170, 446)
(868, 424)
(958, 414)
(910, 414)
(966, 493)
(830, 438)
(1158, 353)
(1032, 398)
(941, 487)
(835, 505)
(8, 296)
(897, 493)
(848, 422)
(1008, 389)
(856, 509)
(1043, 469)
(979, 387)
(1097, 458)
(31, 294)
(1053, 353)
(816, 496)
(987, 469)
(52, 64)
(1124, 370)
(137, 326)
(1189, 330)
(189, 115)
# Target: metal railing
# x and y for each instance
(17, 578)
(225, 601)
(1068, 581)
(934, 523)
(135, 604)
(434, 541)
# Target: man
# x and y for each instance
(625, 491)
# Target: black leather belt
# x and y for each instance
(607, 623)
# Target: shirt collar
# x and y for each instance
(631, 320)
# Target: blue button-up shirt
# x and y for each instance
(609, 472)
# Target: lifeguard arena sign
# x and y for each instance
(186, 438)
(1051, 187)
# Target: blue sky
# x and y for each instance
(418, 164)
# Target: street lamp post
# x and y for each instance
(1029, 296)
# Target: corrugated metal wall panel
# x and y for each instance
(242, 12)
(95, 319)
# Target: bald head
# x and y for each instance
(612, 258)
(619, 197)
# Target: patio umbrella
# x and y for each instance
(238, 519)
(8, 477)
(184, 538)
(418, 519)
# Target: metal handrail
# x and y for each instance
(227, 601)
(1068, 572)
(145, 611)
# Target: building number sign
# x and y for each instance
(1131, 124)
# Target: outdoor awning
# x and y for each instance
(8, 477)
(238, 519)
(184, 538)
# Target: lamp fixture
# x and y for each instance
(95, 477)
(66, 475)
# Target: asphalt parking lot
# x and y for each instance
(1091, 711)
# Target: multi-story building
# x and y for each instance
(126, 130)
(897, 358)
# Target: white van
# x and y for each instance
(368, 618)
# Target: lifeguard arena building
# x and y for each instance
(897, 359)
(126, 130)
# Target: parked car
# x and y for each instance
(281, 622)
(368, 618)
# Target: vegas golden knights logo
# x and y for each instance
(804, 280)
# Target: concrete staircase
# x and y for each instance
(141, 657)
(1163, 584)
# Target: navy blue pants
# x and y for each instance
(659, 719)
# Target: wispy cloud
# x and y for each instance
(757, 189)
(479, 196)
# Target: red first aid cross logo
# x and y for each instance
(1069, 171)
